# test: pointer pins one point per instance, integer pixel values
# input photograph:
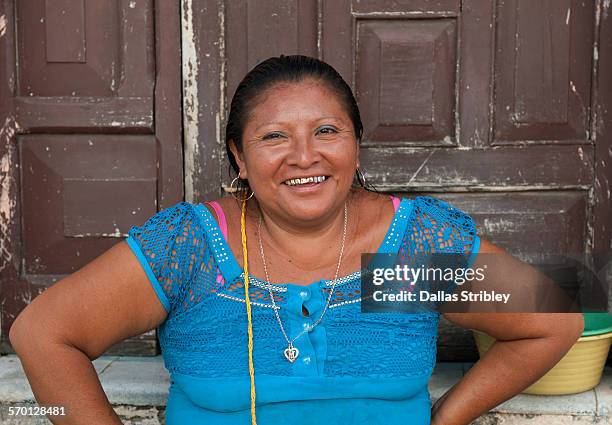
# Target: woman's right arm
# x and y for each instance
(74, 322)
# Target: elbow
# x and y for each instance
(15, 335)
(21, 332)
(577, 324)
(570, 327)
(18, 332)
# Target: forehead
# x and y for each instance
(306, 98)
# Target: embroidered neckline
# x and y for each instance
(230, 269)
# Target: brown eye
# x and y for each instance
(274, 135)
(328, 129)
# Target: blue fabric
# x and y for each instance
(354, 367)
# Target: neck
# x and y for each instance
(306, 245)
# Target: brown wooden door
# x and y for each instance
(91, 136)
(499, 107)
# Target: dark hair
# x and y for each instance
(294, 68)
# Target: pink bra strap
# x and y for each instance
(221, 216)
(396, 202)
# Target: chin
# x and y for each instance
(310, 209)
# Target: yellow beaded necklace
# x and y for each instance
(248, 308)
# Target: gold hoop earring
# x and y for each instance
(233, 190)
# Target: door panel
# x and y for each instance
(543, 71)
(422, 52)
(93, 99)
(98, 76)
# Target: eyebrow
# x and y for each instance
(283, 123)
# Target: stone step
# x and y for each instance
(138, 387)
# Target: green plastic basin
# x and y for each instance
(597, 323)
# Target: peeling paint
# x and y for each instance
(407, 13)
(7, 202)
(7, 209)
(3, 24)
(499, 225)
(573, 87)
(8, 129)
(190, 96)
(585, 114)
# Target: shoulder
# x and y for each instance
(229, 207)
(370, 201)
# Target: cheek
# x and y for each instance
(345, 158)
(262, 167)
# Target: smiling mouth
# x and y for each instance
(306, 181)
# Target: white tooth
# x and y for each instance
(314, 179)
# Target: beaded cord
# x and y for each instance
(248, 308)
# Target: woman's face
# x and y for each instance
(298, 130)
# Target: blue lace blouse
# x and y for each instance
(353, 368)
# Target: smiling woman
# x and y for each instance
(257, 297)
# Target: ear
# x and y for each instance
(239, 159)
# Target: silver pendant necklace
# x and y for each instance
(291, 353)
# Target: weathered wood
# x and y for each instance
(420, 51)
(168, 107)
(600, 228)
(204, 99)
(507, 168)
(118, 73)
(91, 114)
(543, 70)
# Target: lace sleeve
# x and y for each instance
(441, 230)
(167, 247)
(446, 229)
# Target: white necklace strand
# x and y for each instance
(291, 352)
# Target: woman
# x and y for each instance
(300, 350)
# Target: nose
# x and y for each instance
(304, 152)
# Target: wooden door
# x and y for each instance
(500, 107)
(90, 142)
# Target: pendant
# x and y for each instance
(291, 353)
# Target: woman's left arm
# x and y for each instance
(527, 346)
